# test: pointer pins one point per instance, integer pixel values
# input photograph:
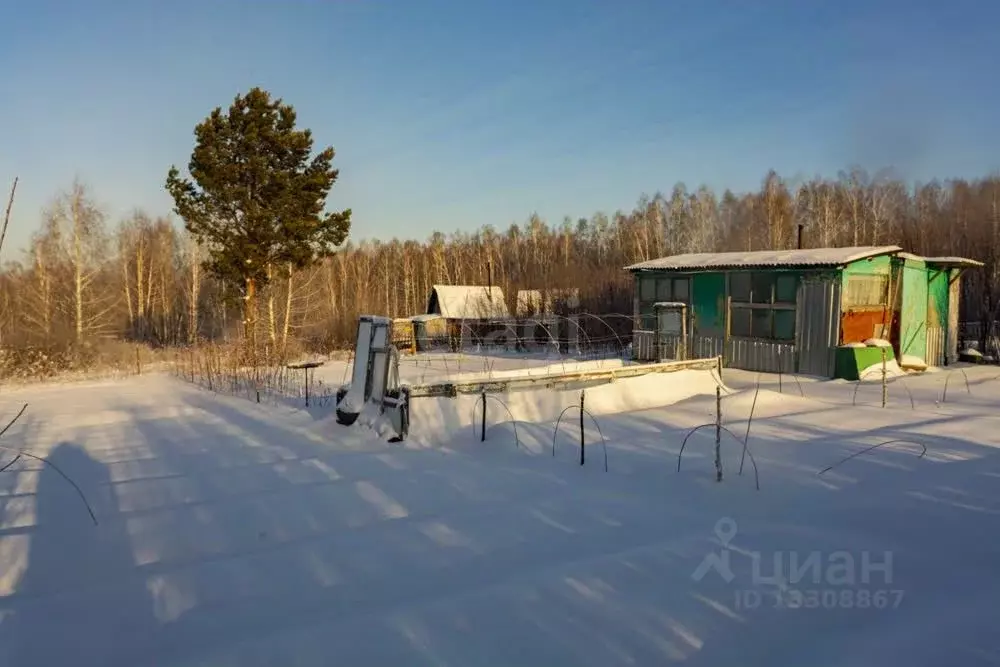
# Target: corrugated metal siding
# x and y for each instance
(951, 342)
(644, 345)
(760, 355)
(935, 346)
(816, 257)
(650, 346)
(817, 326)
(671, 347)
(706, 347)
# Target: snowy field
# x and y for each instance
(231, 533)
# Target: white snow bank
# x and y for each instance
(877, 342)
(533, 371)
(972, 352)
(914, 362)
(874, 372)
(855, 345)
(434, 421)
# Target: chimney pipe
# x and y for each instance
(800, 236)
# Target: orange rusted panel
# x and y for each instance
(856, 326)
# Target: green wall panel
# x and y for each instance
(913, 315)
(937, 299)
(708, 297)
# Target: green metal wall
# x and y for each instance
(875, 266)
(913, 315)
(937, 298)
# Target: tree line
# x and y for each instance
(258, 258)
(142, 279)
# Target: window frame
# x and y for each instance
(645, 312)
(755, 303)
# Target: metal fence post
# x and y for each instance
(885, 387)
(482, 436)
(718, 434)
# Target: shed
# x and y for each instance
(545, 302)
(473, 314)
(429, 332)
(789, 310)
(467, 302)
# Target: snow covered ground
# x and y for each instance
(231, 533)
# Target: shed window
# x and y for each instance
(762, 286)
(647, 288)
(681, 289)
(654, 288)
(739, 287)
(786, 288)
(763, 305)
(663, 291)
(760, 326)
(740, 323)
(784, 325)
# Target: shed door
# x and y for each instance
(913, 325)
(817, 326)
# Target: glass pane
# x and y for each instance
(740, 322)
(761, 326)
(785, 288)
(647, 288)
(763, 284)
(739, 287)
(663, 289)
(649, 322)
(681, 289)
(784, 324)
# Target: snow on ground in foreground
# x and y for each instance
(237, 534)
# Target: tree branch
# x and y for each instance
(6, 217)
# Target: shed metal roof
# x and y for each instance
(818, 257)
(950, 262)
(470, 302)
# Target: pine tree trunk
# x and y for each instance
(272, 333)
(250, 319)
(193, 306)
(288, 312)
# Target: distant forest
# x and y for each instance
(85, 278)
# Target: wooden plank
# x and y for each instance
(555, 380)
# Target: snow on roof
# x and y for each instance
(765, 258)
(468, 302)
(529, 301)
(961, 262)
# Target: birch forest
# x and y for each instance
(86, 282)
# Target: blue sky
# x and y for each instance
(450, 114)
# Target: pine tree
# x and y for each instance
(256, 198)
